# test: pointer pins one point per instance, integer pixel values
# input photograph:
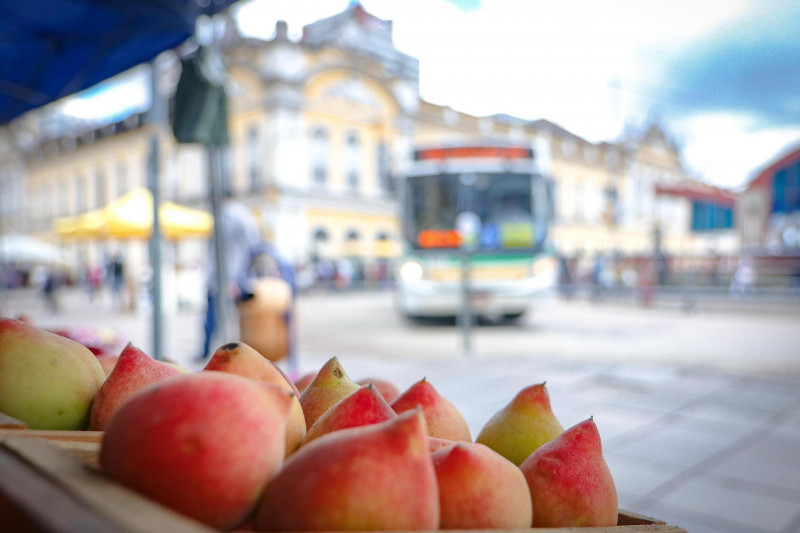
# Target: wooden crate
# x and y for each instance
(50, 482)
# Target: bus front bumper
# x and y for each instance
(425, 298)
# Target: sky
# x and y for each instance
(723, 76)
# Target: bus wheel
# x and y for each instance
(513, 317)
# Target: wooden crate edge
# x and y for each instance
(72, 466)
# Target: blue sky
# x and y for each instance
(722, 75)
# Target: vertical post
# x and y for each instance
(468, 225)
(465, 317)
(222, 303)
(156, 118)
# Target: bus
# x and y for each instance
(479, 208)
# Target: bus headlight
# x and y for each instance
(545, 267)
(411, 271)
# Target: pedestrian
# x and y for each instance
(94, 280)
(239, 232)
(49, 289)
(744, 277)
(117, 280)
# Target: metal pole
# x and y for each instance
(157, 118)
(155, 253)
(222, 305)
(465, 318)
(468, 225)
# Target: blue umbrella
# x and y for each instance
(50, 49)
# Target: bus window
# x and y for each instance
(504, 203)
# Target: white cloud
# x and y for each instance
(725, 148)
(590, 66)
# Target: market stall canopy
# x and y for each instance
(131, 217)
(53, 48)
(23, 250)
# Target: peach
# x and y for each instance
(569, 481)
(46, 380)
(360, 408)
(244, 360)
(480, 489)
(330, 385)
(133, 371)
(443, 419)
(368, 478)
(203, 444)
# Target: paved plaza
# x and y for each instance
(711, 448)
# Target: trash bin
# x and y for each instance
(264, 318)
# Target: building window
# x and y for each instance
(579, 206)
(568, 147)
(707, 216)
(10, 194)
(122, 178)
(99, 188)
(786, 190)
(383, 168)
(318, 241)
(610, 205)
(62, 198)
(253, 161)
(320, 154)
(80, 194)
(352, 160)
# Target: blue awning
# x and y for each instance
(50, 49)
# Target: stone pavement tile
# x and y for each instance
(772, 462)
(767, 395)
(664, 399)
(732, 503)
(730, 430)
(674, 443)
(635, 477)
(572, 404)
(787, 428)
(616, 422)
(715, 409)
(771, 385)
(692, 521)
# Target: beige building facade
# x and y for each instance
(321, 130)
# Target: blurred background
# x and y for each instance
(671, 178)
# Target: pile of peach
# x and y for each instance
(239, 445)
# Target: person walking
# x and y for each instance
(240, 235)
(116, 280)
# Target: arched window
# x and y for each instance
(319, 239)
(253, 162)
(320, 235)
(122, 178)
(384, 246)
(99, 188)
(352, 161)
(320, 154)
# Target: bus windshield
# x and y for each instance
(503, 202)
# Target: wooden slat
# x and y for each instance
(627, 518)
(29, 502)
(81, 436)
(11, 422)
(88, 452)
(129, 510)
(71, 469)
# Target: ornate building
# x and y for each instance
(320, 129)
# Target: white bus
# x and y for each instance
(511, 260)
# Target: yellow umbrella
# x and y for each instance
(131, 217)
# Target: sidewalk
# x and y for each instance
(706, 451)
